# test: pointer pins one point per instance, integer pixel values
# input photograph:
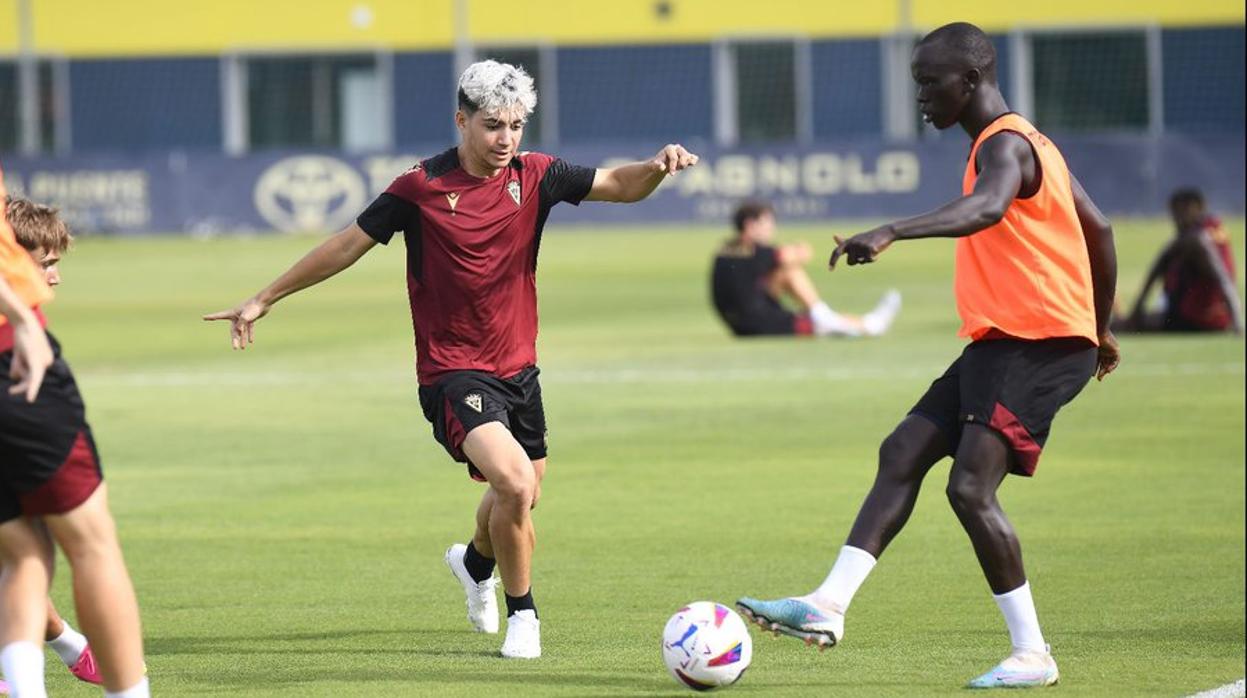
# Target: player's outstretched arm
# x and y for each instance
(1000, 178)
(328, 258)
(631, 183)
(1102, 252)
(32, 355)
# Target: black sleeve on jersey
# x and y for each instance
(564, 181)
(387, 215)
(766, 257)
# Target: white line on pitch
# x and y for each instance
(637, 374)
(1231, 690)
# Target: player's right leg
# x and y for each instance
(71, 646)
(514, 481)
(25, 574)
(473, 566)
(103, 594)
(905, 457)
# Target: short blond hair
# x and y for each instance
(37, 226)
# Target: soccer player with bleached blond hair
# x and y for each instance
(472, 218)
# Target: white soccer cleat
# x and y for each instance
(523, 636)
(482, 597)
(1022, 669)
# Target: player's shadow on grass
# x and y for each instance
(367, 641)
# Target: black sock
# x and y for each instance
(520, 603)
(478, 566)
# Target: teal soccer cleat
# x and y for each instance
(1020, 670)
(795, 618)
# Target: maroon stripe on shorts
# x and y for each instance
(71, 485)
(1024, 447)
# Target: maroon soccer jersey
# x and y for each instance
(472, 256)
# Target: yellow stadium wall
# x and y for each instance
(85, 28)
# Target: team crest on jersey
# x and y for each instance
(513, 188)
(473, 400)
(453, 199)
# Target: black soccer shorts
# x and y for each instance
(1014, 386)
(48, 461)
(461, 401)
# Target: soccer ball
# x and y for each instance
(706, 645)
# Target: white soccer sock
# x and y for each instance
(1019, 611)
(69, 644)
(828, 322)
(846, 576)
(138, 690)
(880, 319)
(23, 669)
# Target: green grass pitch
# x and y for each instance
(284, 510)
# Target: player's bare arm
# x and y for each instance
(32, 355)
(1207, 259)
(1102, 252)
(633, 182)
(795, 254)
(1154, 274)
(1004, 162)
(328, 258)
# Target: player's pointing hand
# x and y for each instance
(673, 158)
(242, 321)
(863, 248)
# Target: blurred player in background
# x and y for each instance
(1035, 276)
(752, 275)
(1197, 268)
(51, 483)
(472, 218)
(42, 233)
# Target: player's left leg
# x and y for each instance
(25, 574)
(981, 463)
(794, 282)
(473, 564)
(103, 594)
(513, 478)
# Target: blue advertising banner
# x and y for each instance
(210, 193)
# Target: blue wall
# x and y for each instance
(424, 98)
(145, 104)
(652, 93)
(1203, 84)
(848, 88)
(641, 93)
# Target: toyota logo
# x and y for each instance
(310, 192)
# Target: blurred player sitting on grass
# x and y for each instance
(752, 276)
(51, 483)
(1197, 267)
(42, 233)
(472, 218)
(1034, 280)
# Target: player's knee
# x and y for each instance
(898, 457)
(966, 496)
(516, 486)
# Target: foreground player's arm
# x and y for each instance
(630, 183)
(1102, 252)
(326, 259)
(32, 355)
(999, 180)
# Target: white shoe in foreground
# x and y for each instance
(523, 636)
(1021, 669)
(482, 597)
